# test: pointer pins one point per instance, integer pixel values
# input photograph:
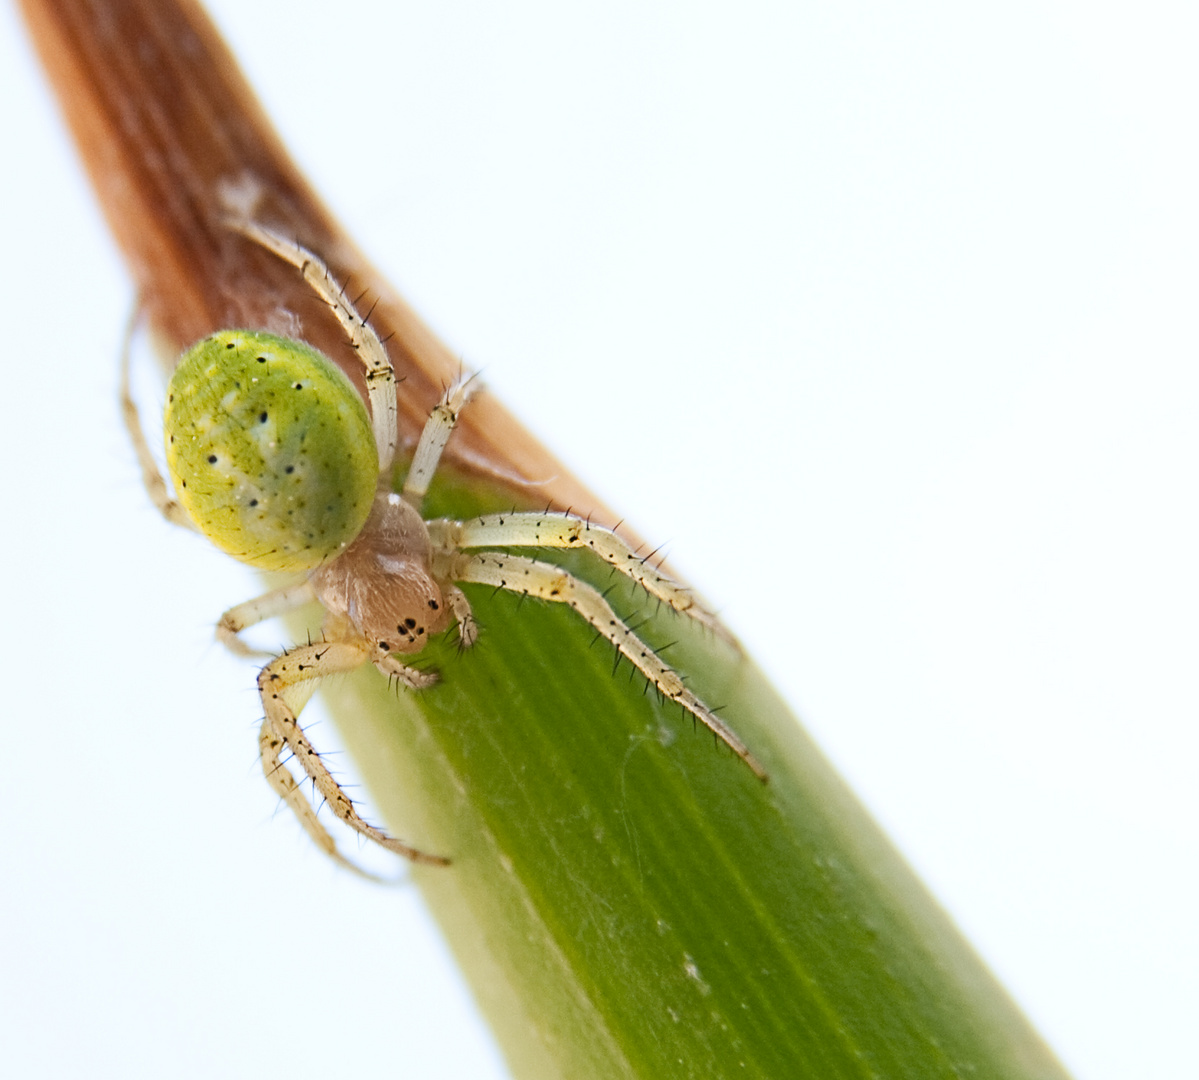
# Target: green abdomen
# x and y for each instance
(270, 449)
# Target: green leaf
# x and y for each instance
(627, 899)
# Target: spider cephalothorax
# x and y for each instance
(274, 456)
(383, 585)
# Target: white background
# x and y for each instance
(884, 317)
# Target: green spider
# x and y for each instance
(274, 457)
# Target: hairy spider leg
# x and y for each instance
(380, 378)
(267, 606)
(546, 581)
(551, 530)
(275, 682)
(433, 437)
(270, 747)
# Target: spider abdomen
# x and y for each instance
(270, 449)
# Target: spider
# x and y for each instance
(273, 456)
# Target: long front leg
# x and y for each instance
(548, 582)
(286, 677)
(552, 530)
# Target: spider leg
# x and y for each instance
(252, 612)
(283, 680)
(152, 478)
(569, 531)
(433, 437)
(270, 747)
(380, 378)
(548, 582)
